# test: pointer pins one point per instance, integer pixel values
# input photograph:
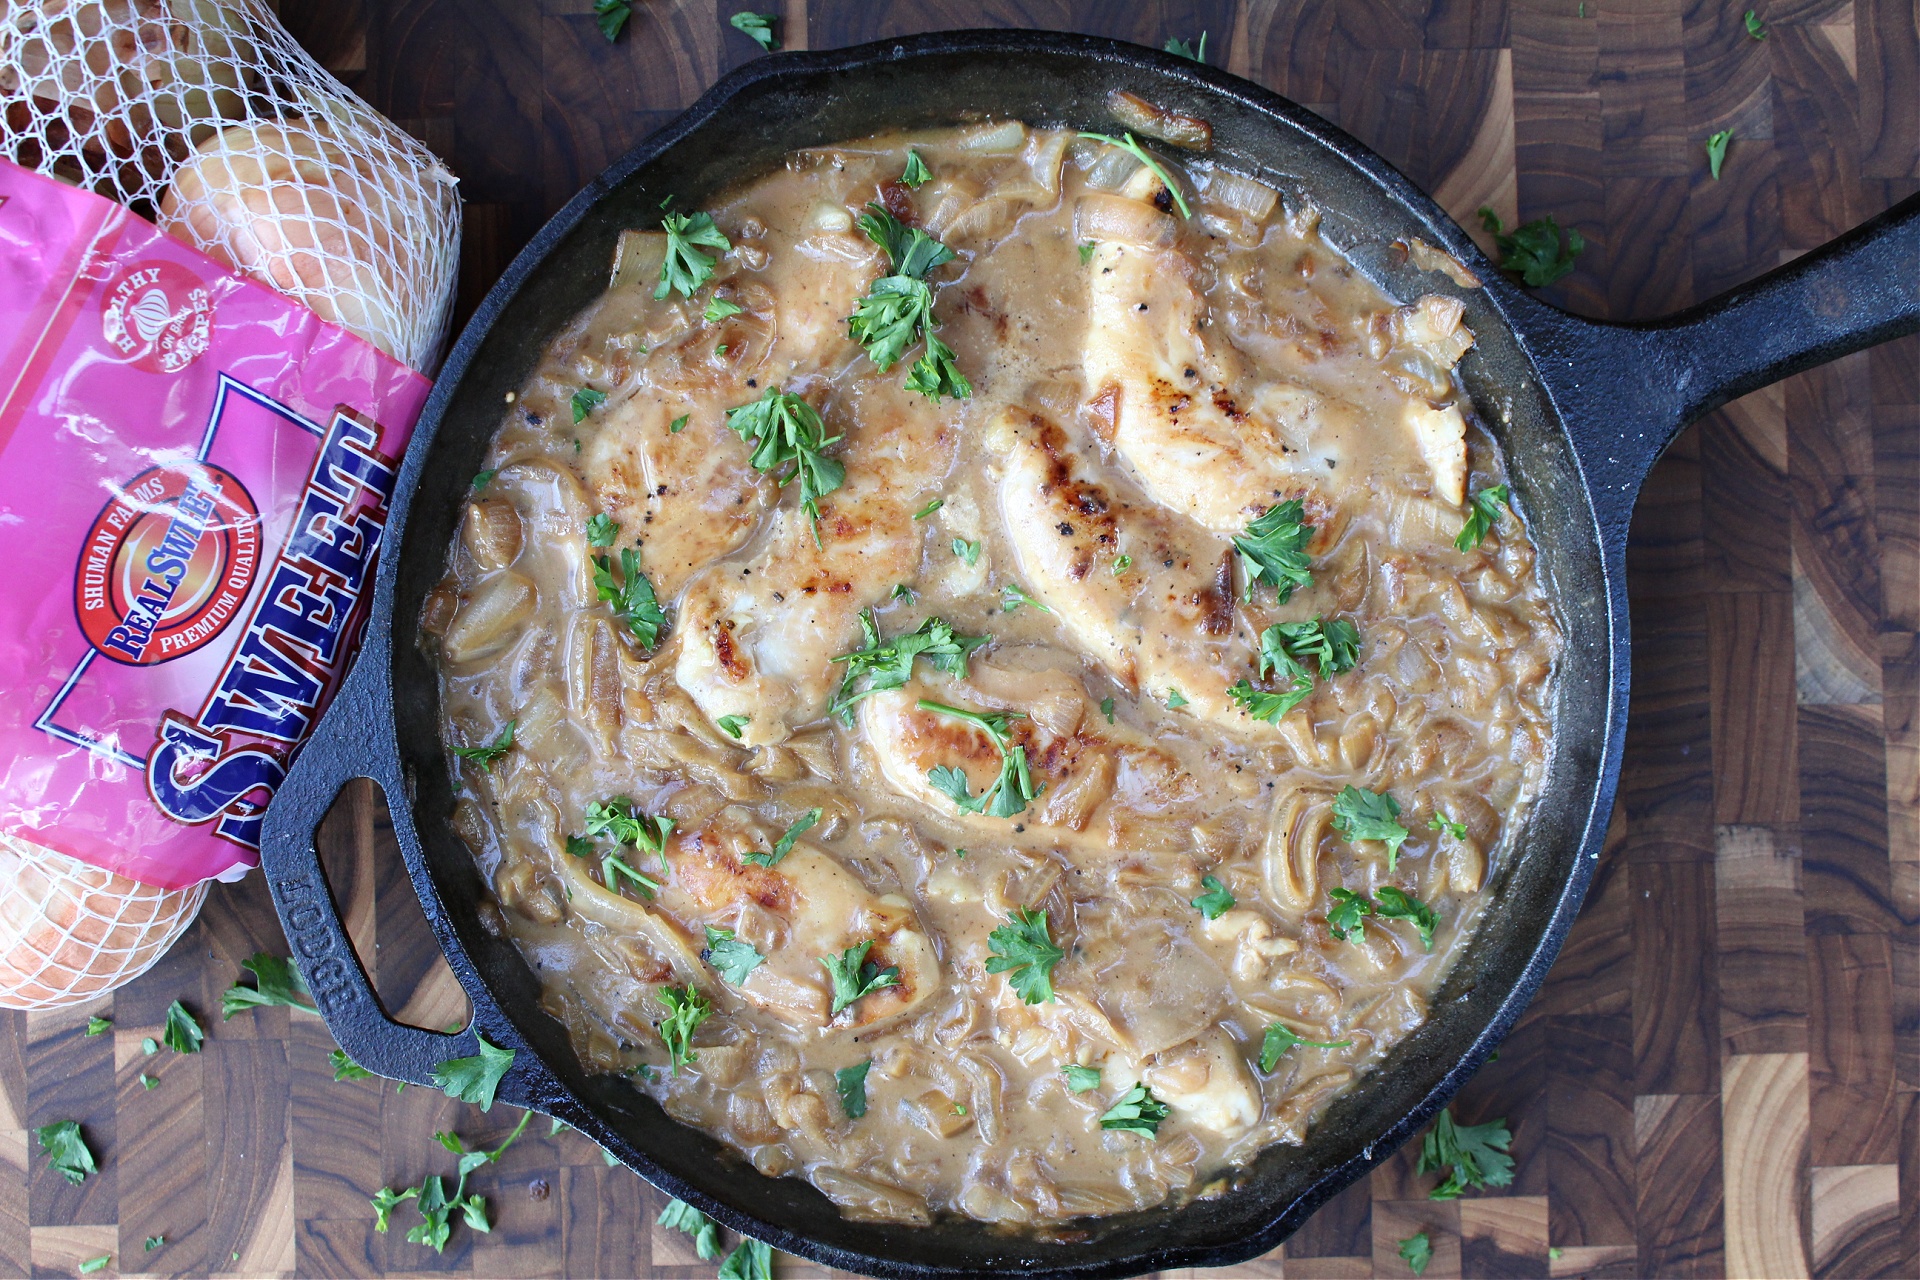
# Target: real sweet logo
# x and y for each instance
(167, 563)
(159, 316)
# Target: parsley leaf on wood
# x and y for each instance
(784, 845)
(1126, 143)
(1138, 1111)
(733, 958)
(631, 595)
(855, 976)
(759, 26)
(1011, 792)
(1081, 1079)
(276, 982)
(612, 16)
(750, 1260)
(1274, 550)
(1533, 250)
(475, 1078)
(1216, 901)
(681, 1216)
(686, 1010)
(1393, 903)
(1346, 918)
(1188, 48)
(1280, 1038)
(183, 1033)
(1717, 151)
(98, 1026)
(67, 1151)
(686, 267)
(345, 1068)
(789, 440)
(1476, 1154)
(484, 756)
(92, 1265)
(1370, 815)
(585, 401)
(851, 1084)
(889, 665)
(917, 174)
(1755, 28)
(1485, 510)
(1417, 1251)
(1024, 950)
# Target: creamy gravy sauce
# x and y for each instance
(1144, 386)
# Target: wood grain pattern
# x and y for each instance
(1721, 1076)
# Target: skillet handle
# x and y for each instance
(1628, 389)
(339, 752)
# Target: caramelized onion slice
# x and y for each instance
(1136, 113)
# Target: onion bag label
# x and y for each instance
(194, 479)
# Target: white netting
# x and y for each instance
(70, 932)
(206, 116)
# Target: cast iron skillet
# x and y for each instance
(1582, 410)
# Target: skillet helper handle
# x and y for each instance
(336, 754)
(1855, 291)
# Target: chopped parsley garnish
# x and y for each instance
(585, 401)
(681, 1216)
(149, 1046)
(154, 1242)
(732, 725)
(92, 1265)
(276, 982)
(98, 1026)
(686, 1010)
(854, 975)
(1346, 918)
(1333, 646)
(784, 845)
(1024, 950)
(789, 440)
(929, 509)
(1370, 815)
(182, 1033)
(1106, 709)
(733, 958)
(1081, 1079)
(889, 665)
(484, 756)
(750, 1260)
(1484, 513)
(1755, 28)
(897, 309)
(602, 529)
(1417, 1252)
(620, 820)
(148, 1082)
(1086, 251)
(679, 424)
(474, 1079)
(1717, 151)
(1013, 595)
(1216, 901)
(345, 1068)
(1188, 49)
(1393, 903)
(1533, 250)
(1121, 564)
(632, 596)
(1274, 550)
(1476, 1154)
(612, 16)
(719, 309)
(1126, 143)
(758, 26)
(1175, 699)
(901, 591)
(67, 1151)
(483, 478)
(969, 552)
(1011, 792)
(1441, 822)
(1138, 1111)
(917, 174)
(430, 1197)
(1267, 705)
(851, 1084)
(1280, 1038)
(685, 267)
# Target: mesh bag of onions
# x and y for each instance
(204, 117)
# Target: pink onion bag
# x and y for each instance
(194, 477)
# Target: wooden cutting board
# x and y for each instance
(1722, 1075)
